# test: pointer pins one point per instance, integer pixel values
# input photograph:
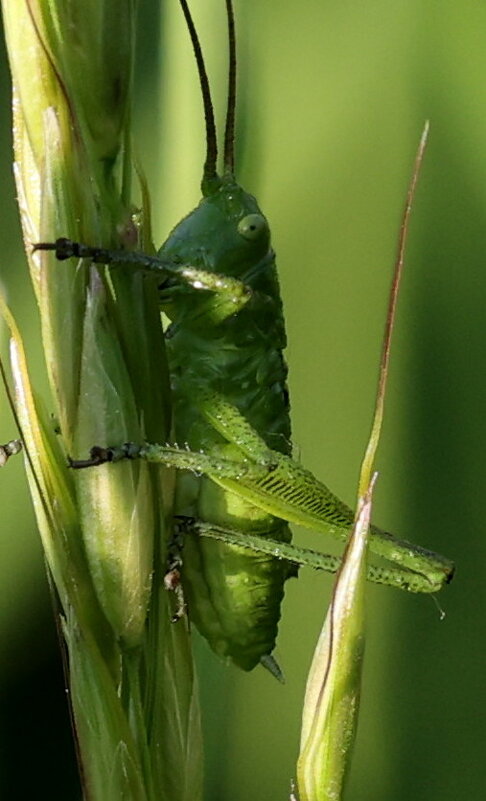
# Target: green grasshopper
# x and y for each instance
(239, 487)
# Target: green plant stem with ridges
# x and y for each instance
(103, 532)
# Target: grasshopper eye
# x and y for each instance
(252, 226)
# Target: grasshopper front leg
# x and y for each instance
(228, 295)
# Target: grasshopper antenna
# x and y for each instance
(229, 133)
(209, 173)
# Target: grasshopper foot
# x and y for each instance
(8, 450)
(99, 456)
(66, 248)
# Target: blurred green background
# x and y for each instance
(332, 99)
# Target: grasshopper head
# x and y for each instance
(226, 233)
